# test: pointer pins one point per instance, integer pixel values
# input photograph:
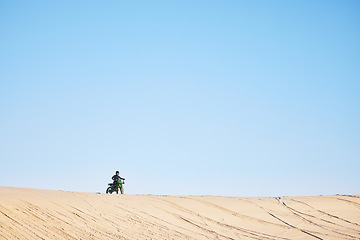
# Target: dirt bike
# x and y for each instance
(115, 188)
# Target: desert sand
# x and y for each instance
(47, 214)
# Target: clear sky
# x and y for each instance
(235, 98)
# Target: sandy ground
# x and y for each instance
(46, 214)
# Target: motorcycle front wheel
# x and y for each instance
(122, 189)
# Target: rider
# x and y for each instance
(117, 178)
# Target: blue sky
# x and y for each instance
(238, 98)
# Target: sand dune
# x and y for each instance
(45, 214)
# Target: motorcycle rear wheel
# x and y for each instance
(108, 190)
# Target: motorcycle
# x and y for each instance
(115, 187)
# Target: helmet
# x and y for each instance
(117, 172)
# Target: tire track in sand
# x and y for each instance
(310, 233)
(254, 234)
(299, 214)
(330, 215)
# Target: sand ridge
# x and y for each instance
(48, 214)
